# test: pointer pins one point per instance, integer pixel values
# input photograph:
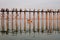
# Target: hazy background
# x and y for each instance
(42, 4)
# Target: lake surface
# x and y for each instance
(30, 36)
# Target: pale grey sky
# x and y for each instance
(37, 4)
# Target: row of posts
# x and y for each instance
(49, 28)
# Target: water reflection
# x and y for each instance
(14, 32)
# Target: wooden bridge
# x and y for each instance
(48, 14)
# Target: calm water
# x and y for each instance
(30, 36)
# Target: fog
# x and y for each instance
(37, 4)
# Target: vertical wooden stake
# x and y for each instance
(42, 21)
(12, 20)
(50, 21)
(34, 20)
(38, 21)
(30, 19)
(7, 20)
(20, 20)
(54, 21)
(58, 20)
(47, 19)
(16, 21)
(25, 20)
(2, 19)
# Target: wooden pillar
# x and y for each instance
(57, 21)
(42, 21)
(7, 20)
(47, 19)
(16, 21)
(38, 29)
(25, 20)
(30, 19)
(12, 18)
(54, 21)
(34, 20)
(20, 20)
(2, 19)
(50, 21)
(58, 18)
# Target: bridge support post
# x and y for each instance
(38, 21)
(34, 20)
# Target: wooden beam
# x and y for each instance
(38, 29)
(34, 20)
(25, 20)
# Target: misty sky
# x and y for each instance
(37, 4)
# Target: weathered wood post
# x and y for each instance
(30, 19)
(42, 11)
(2, 19)
(47, 19)
(25, 20)
(50, 21)
(20, 20)
(38, 29)
(34, 20)
(58, 20)
(12, 18)
(16, 20)
(7, 20)
(54, 20)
